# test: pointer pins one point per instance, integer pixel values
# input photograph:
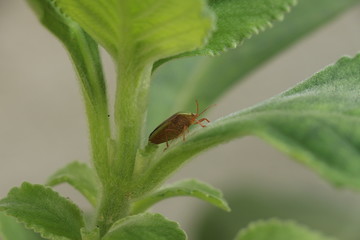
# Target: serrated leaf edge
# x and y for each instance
(38, 229)
(16, 220)
(123, 220)
(255, 30)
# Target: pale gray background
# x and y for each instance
(43, 126)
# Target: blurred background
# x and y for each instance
(43, 127)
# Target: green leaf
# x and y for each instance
(317, 122)
(148, 29)
(81, 177)
(238, 20)
(10, 229)
(145, 227)
(279, 230)
(85, 56)
(44, 211)
(179, 82)
(190, 187)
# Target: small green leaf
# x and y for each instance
(177, 83)
(317, 123)
(44, 211)
(145, 227)
(10, 229)
(279, 230)
(238, 20)
(190, 187)
(81, 177)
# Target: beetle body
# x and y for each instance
(171, 128)
(175, 126)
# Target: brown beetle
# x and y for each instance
(175, 126)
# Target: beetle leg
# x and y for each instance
(167, 141)
(204, 119)
(184, 131)
(201, 120)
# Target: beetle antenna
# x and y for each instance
(207, 109)
(197, 108)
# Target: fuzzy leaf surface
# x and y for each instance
(279, 230)
(43, 210)
(81, 177)
(317, 123)
(149, 29)
(145, 227)
(189, 187)
(177, 83)
(10, 229)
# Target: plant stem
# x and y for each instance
(115, 204)
(130, 111)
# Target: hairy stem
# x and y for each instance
(115, 204)
(130, 112)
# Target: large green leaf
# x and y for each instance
(317, 122)
(142, 30)
(145, 227)
(44, 211)
(84, 53)
(81, 177)
(279, 230)
(10, 229)
(178, 83)
(189, 187)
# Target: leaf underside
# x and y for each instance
(142, 30)
(189, 187)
